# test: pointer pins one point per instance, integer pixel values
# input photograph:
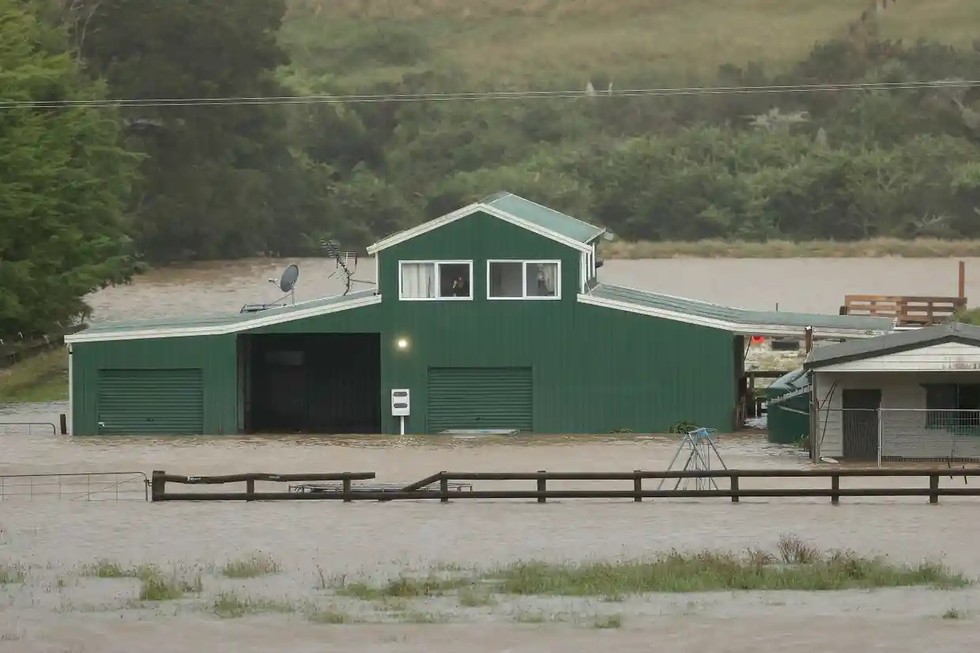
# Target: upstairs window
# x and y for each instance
(422, 280)
(523, 280)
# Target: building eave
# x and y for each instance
(265, 318)
(885, 351)
(458, 214)
(736, 328)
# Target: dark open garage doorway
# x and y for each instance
(311, 383)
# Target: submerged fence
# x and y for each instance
(445, 486)
(899, 434)
(85, 486)
(28, 428)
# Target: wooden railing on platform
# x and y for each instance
(733, 490)
(907, 310)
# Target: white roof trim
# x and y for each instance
(736, 328)
(267, 317)
(431, 225)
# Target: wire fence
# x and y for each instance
(899, 434)
(85, 486)
(28, 428)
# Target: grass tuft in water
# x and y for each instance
(329, 616)
(474, 598)
(10, 574)
(713, 571)
(794, 551)
(608, 621)
(953, 613)
(108, 569)
(414, 617)
(252, 566)
(229, 605)
(403, 587)
(156, 586)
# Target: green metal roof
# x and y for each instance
(224, 321)
(738, 317)
(893, 343)
(543, 217)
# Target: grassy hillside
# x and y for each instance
(504, 43)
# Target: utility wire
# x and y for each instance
(483, 95)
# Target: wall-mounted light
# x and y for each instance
(402, 343)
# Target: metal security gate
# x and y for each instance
(480, 398)
(151, 402)
(860, 424)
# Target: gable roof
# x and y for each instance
(739, 321)
(222, 323)
(516, 210)
(893, 343)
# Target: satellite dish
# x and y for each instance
(289, 277)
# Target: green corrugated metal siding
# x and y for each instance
(595, 369)
(214, 356)
(151, 402)
(480, 398)
(788, 421)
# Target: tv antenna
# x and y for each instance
(343, 258)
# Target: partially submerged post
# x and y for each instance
(962, 280)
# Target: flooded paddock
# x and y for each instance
(56, 607)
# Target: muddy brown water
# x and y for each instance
(57, 608)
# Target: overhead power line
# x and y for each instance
(488, 95)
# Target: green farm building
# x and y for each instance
(490, 318)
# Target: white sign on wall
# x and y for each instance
(400, 403)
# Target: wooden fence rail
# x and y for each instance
(159, 480)
(424, 489)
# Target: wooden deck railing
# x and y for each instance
(907, 310)
(635, 490)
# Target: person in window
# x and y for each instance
(543, 290)
(459, 286)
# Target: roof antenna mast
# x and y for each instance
(343, 258)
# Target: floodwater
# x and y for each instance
(806, 285)
(57, 608)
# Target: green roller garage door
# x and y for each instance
(151, 402)
(479, 398)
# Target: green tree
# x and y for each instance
(218, 181)
(64, 181)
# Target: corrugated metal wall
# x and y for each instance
(214, 356)
(480, 398)
(594, 369)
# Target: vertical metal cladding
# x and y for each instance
(593, 369)
(211, 357)
(584, 369)
(158, 402)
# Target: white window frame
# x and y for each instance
(526, 262)
(437, 264)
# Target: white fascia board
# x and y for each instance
(736, 328)
(223, 329)
(431, 225)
